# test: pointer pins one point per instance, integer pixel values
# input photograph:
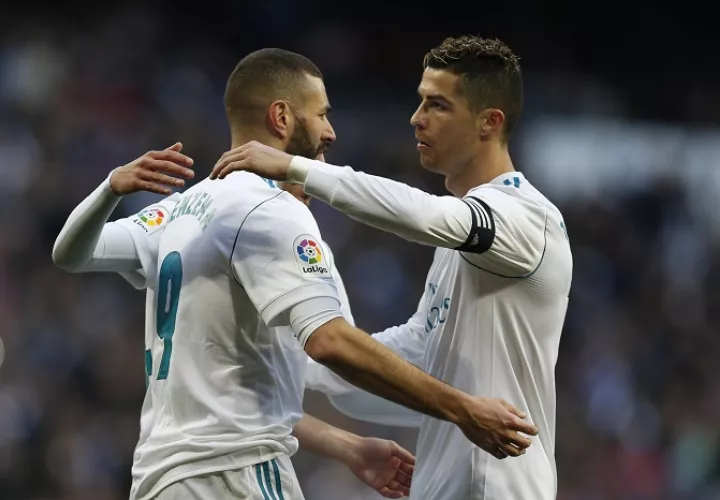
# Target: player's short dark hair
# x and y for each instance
(262, 77)
(490, 75)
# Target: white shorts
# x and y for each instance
(271, 480)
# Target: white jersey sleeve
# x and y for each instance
(87, 242)
(412, 214)
(145, 228)
(507, 235)
(496, 231)
(279, 258)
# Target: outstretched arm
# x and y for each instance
(499, 232)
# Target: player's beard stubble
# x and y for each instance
(300, 143)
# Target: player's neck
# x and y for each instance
(238, 138)
(488, 164)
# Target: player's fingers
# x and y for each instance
(235, 151)
(497, 453)
(407, 468)
(159, 178)
(232, 167)
(512, 451)
(521, 425)
(399, 489)
(388, 493)
(514, 410)
(403, 479)
(224, 162)
(517, 440)
(221, 163)
(174, 157)
(175, 147)
(167, 167)
(151, 187)
(403, 454)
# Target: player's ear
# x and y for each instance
(280, 118)
(490, 122)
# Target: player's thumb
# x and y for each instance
(176, 147)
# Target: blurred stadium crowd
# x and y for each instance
(638, 376)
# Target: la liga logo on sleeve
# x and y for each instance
(310, 257)
(150, 218)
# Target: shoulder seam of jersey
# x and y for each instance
(232, 252)
(542, 257)
(496, 188)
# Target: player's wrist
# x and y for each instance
(345, 446)
(456, 404)
(298, 170)
(108, 184)
(351, 449)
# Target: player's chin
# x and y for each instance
(429, 163)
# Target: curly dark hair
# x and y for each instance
(490, 75)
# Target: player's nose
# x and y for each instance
(329, 135)
(417, 119)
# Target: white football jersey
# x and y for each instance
(490, 321)
(224, 388)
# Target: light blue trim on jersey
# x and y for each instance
(260, 482)
(278, 484)
(268, 482)
(148, 367)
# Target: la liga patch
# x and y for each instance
(310, 257)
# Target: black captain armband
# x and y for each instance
(482, 231)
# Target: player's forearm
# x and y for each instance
(412, 214)
(362, 361)
(79, 237)
(321, 438)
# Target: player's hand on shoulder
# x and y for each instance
(495, 425)
(254, 157)
(154, 172)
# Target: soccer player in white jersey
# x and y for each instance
(490, 318)
(238, 261)
(129, 246)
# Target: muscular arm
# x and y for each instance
(364, 362)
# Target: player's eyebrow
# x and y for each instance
(438, 98)
(326, 109)
(433, 97)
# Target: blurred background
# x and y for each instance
(619, 130)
